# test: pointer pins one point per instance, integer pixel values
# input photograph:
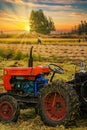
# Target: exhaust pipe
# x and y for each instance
(30, 61)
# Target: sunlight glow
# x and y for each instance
(27, 28)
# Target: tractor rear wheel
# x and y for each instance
(9, 109)
(58, 104)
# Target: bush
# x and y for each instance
(1, 52)
(18, 56)
(12, 54)
(38, 58)
(6, 53)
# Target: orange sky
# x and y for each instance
(14, 14)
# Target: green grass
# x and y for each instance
(12, 54)
(24, 40)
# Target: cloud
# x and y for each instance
(37, 4)
(32, 5)
(79, 14)
(58, 1)
(18, 2)
(48, 5)
(5, 16)
(12, 1)
(63, 1)
(50, 2)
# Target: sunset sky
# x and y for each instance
(14, 14)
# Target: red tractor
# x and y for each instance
(57, 102)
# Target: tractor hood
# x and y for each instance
(26, 70)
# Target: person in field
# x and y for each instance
(39, 40)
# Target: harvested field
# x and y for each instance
(61, 52)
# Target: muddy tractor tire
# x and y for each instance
(58, 104)
(9, 109)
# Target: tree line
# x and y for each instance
(81, 28)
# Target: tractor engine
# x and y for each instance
(20, 84)
(24, 85)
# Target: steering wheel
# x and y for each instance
(56, 69)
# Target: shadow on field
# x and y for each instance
(27, 114)
(83, 120)
(82, 123)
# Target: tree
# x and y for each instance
(40, 23)
(81, 28)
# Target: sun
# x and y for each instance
(27, 28)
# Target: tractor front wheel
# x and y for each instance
(58, 104)
(9, 109)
